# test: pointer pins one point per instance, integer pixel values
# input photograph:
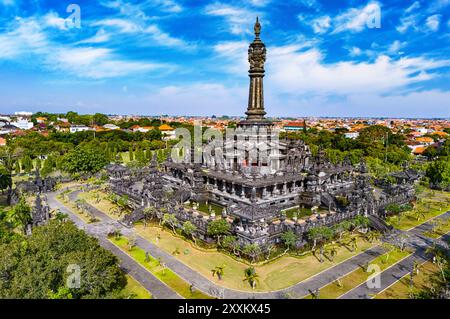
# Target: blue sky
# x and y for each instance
(180, 57)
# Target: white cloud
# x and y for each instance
(52, 19)
(408, 22)
(433, 22)
(198, 99)
(433, 103)
(137, 10)
(164, 39)
(96, 63)
(156, 34)
(239, 19)
(27, 38)
(355, 51)
(122, 25)
(356, 19)
(8, 2)
(234, 54)
(321, 24)
(100, 37)
(259, 3)
(298, 72)
(395, 47)
(309, 3)
(414, 6)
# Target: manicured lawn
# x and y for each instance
(401, 289)
(104, 205)
(359, 276)
(204, 208)
(164, 274)
(281, 273)
(432, 203)
(304, 212)
(440, 229)
(73, 208)
(134, 290)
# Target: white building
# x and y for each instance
(352, 135)
(111, 127)
(23, 124)
(79, 128)
(23, 113)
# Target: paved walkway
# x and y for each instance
(394, 273)
(106, 224)
(156, 287)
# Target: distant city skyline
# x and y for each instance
(174, 57)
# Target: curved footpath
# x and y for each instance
(156, 287)
(159, 290)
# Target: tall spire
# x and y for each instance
(257, 28)
(256, 58)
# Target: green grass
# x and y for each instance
(166, 275)
(439, 230)
(304, 212)
(281, 273)
(402, 289)
(432, 203)
(359, 276)
(134, 290)
(204, 208)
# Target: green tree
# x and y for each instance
(27, 164)
(252, 251)
(189, 230)
(5, 178)
(251, 277)
(170, 220)
(319, 236)
(230, 242)
(289, 239)
(49, 166)
(84, 160)
(217, 228)
(21, 215)
(100, 119)
(131, 154)
(50, 253)
(439, 173)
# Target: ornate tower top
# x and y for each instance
(256, 58)
(257, 28)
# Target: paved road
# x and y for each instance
(389, 276)
(156, 287)
(106, 224)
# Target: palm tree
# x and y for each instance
(219, 271)
(439, 258)
(389, 248)
(419, 214)
(319, 235)
(61, 217)
(331, 250)
(372, 236)
(251, 277)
